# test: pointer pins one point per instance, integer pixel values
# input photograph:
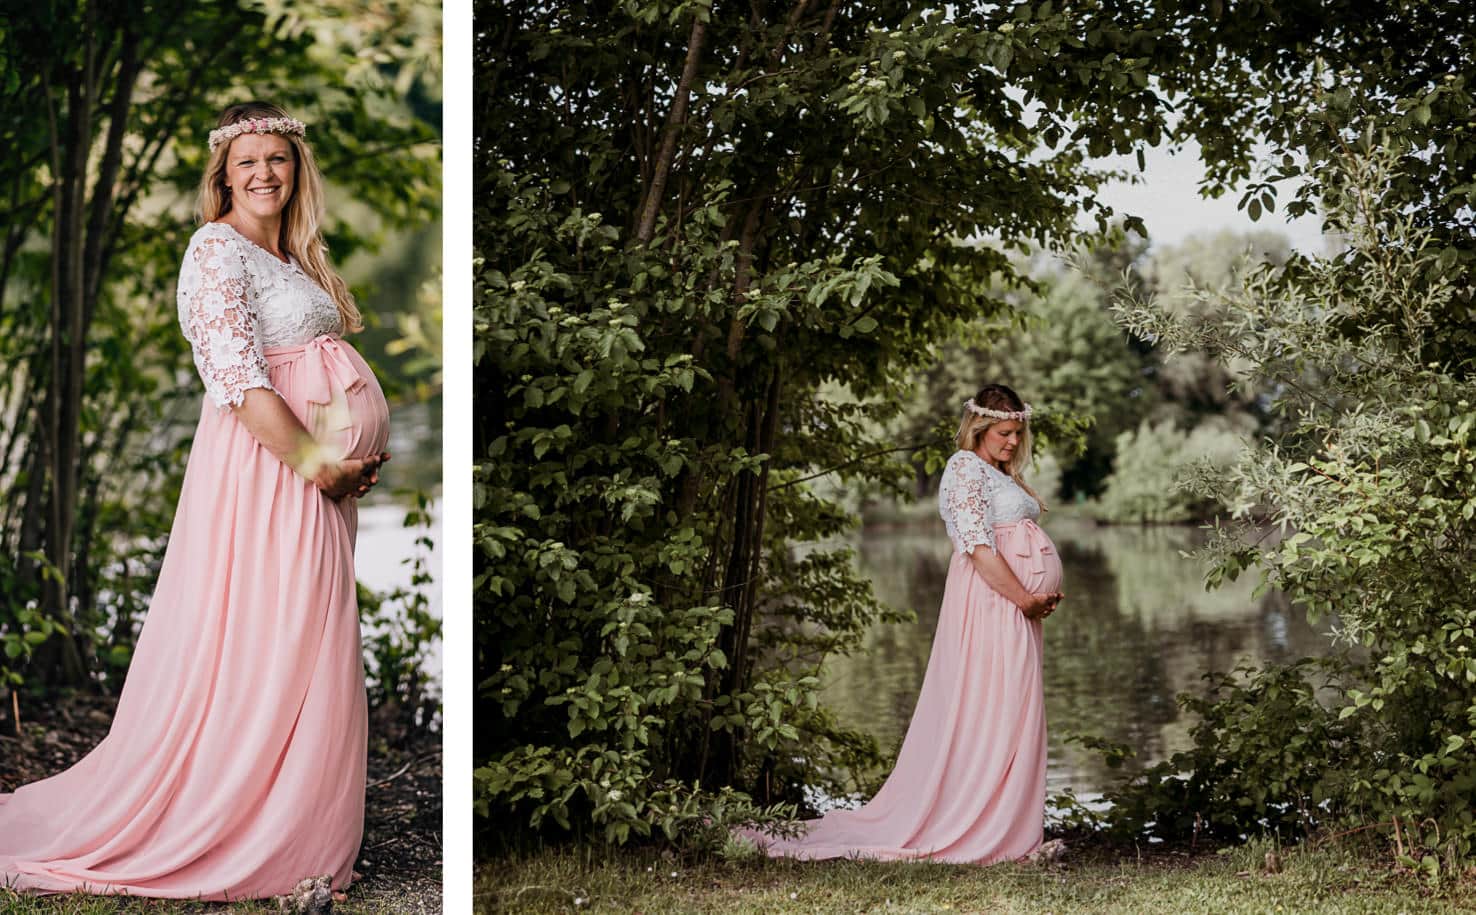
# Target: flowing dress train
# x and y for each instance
(969, 783)
(235, 764)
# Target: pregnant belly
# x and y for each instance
(1030, 554)
(333, 391)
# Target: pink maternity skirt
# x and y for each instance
(235, 764)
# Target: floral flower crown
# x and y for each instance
(284, 126)
(1021, 415)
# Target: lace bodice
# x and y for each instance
(974, 496)
(237, 299)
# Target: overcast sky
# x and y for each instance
(1169, 202)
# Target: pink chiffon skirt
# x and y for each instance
(969, 784)
(235, 764)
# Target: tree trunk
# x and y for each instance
(768, 427)
(740, 581)
(69, 131)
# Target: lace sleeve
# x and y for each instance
(220, 321)
(968, 503)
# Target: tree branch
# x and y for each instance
(676, 119)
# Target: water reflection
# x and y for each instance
(1137, 627)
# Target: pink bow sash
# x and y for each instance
(326, 365)
(1030, 546)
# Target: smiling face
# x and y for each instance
(1000, 442)
(261, 172)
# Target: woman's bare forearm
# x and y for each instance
(271, 422)
(997, 574)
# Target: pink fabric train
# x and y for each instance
(235, 764)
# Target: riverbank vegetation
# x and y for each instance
(1148, 414)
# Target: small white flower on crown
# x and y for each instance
(1021, 415)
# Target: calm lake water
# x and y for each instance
(1136, 628)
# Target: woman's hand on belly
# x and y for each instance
(1043, 605)
(350, 476)
(999, 576)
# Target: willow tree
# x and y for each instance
(696, 223)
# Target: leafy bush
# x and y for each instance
(607, 652)
(400, 633)
(1266, 755)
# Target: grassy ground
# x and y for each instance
(1327, 881)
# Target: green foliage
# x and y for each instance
(1150, 464)
(1267, 756)
(713, 244)
(1092, 384)
(30, 627)
(1060, 348)
(1188, 280)
(400, 633)
(1371, 490)
(608, 701)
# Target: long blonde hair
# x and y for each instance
(972, 426)
(302, 218)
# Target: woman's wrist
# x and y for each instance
(311, 461)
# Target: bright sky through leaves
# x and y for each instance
(1168, 200)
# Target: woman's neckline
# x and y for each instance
(985, 461)
(287, 262)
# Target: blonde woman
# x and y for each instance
(235, 764)
(969, 784)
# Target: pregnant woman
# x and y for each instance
(235, 764)
(969, 785)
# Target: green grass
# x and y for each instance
(1328, 881)
(76, 904)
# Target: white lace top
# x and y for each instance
(974, 496)
(235, 300)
